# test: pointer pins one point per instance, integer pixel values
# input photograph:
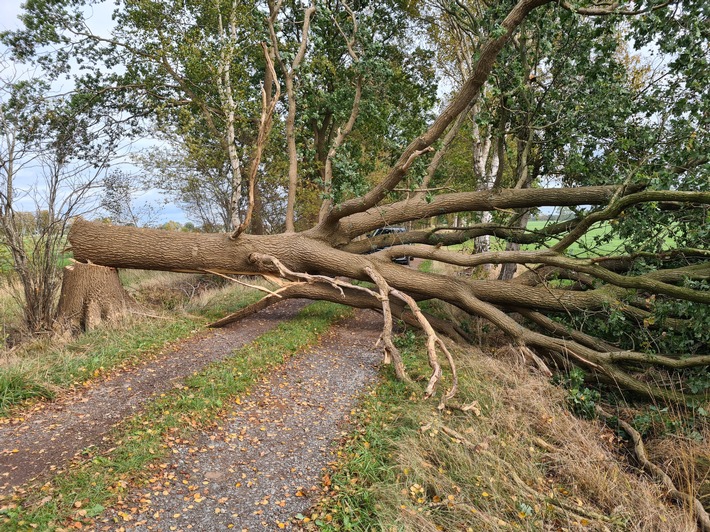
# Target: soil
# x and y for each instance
(268, 459)
(45, 439)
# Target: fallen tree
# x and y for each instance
(620, 315)
(312, 263)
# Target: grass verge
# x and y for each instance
(516, 460)
(96, 480)
(43, 368)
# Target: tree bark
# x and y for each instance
(309, 259)
(91, 294)
(153, 249)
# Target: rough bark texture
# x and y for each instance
(310, 261)
(91, 294)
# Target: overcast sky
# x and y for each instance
(9, 9)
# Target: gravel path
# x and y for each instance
(47, 438)
(265, 462)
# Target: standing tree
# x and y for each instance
(49, 164)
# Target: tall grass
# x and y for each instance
(10, 311)
(517, 459)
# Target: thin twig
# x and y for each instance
(254, 286)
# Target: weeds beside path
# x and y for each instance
(46, 439)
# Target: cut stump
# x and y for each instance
(91, 294)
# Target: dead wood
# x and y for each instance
(683, 499)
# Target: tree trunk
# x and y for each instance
(257, 220)
(508, 271)
(91, 294)
(151, 249)
(312, 258)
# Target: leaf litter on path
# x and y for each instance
(265, 461)
(45, 439)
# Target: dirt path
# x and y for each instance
(46, 439)
(265, 462)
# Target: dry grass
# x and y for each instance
(686, 460)
(522, 461)
(202, 294)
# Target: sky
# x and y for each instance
(100, 21)
(9, 9)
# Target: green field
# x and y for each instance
(6, 262)
(593, 243)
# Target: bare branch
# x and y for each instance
(552, 258)
(248, 285)
(355, 110)
(268, 104)
(289, 73)
(391, 351)
(445, 144)
(337, 143)
(416, 208)
(309, 278)
(612, 8)
(432, 342)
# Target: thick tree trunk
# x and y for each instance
(152, 249)
(310, 259)
(91, 294)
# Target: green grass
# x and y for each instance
(17, 387)
(6, 261)
(100, 479)
(42, 369)
(426, 266)
(592, 244)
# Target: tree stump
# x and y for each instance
(91, 294)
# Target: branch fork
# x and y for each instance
(433, 340)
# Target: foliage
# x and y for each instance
(178, 55)
(659, 331)
(656, 421)
(581, 400)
